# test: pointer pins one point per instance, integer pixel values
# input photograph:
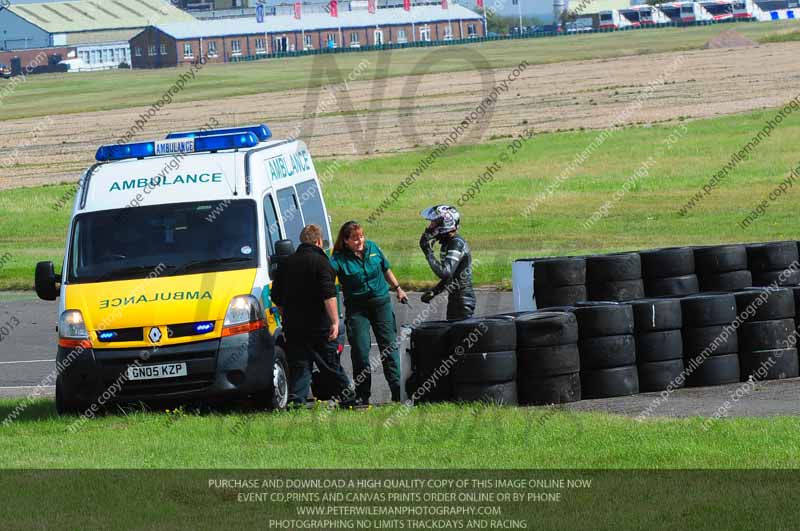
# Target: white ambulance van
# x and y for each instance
(164, 291)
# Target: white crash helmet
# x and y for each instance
(447, 217)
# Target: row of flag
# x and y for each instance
(333, 7)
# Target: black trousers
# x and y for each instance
(307, 349)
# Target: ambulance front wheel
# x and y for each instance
(277, 397)
(65, 405)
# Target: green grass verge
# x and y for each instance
(434, 436)
(72, 93)
(781, 37)
(494, 224)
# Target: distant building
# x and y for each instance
(223, 40)
(99, 31)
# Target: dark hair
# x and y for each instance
(311, 234)
(344, 234)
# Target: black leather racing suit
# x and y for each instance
(455, 270)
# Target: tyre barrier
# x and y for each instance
(770, 263)
(607, 349)
(710, 342)
(659, 343)
(669, 272)
(614, 277)
(722, 268)
(430, 347)
(766, 337)
(559, 281)
(485, 360)
(548, 358)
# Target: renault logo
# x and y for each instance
(154, 335)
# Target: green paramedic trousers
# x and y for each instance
(378, 313)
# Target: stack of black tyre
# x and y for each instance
(607, 350)
(669, 272)
(770, 263)
(548, 360)
(722, 268)
(614, 277)
(485, 368)
(659, 343)
(766, 348)
(430, 380)
(710, 341)
(559, 281)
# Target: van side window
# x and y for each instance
(311, 205)
(291, 215)
(271, 219)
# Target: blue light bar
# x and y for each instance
(177, 146)
(204, 328)
(234, 141)
(126, 151)
(105, 336)
(262, 132)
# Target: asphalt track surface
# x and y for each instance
(27, 356)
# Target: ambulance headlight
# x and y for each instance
(71, 325)
(243, 315)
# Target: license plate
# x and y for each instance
(152, 372)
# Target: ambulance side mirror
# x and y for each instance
(46, 281)
(283, 249)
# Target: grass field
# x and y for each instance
(70, 93)
(434, 436)
(493, 222)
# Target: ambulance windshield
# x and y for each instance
(174, 239)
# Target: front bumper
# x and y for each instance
(230, 367)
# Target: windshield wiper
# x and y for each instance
(132, 270)
(199, 264)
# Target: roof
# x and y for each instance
(602, 5)
(346, 19)
(95, 15)
(101, 37)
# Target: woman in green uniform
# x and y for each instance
(366, 277)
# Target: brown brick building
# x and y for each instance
(224, 40)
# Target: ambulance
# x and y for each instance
(164, 291)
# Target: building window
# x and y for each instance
(261, 46)
(448, 33)
(236, 47)
(187, 51)
(425, 33)
(138, 51)
(308, 44)
(163, 49)
(151, 50)
(331, 40)
(401, 36)
(212, 48)
(471, 30)
(354, 39)
(514, 2)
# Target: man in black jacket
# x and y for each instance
(305, 293)
(454, 268)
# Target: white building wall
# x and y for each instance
(104, 56)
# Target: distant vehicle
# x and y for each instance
(584, 24)
(5, 71)
(579, 26)
(612, 20)
(492, 34)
